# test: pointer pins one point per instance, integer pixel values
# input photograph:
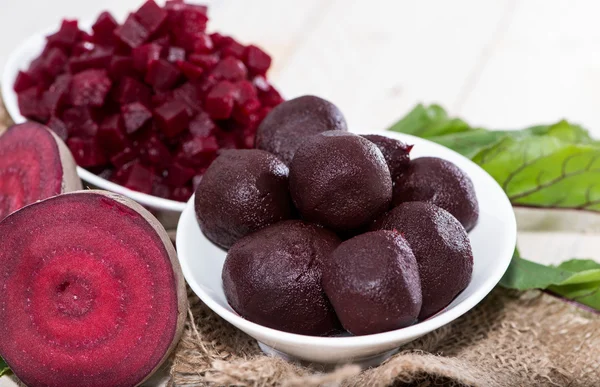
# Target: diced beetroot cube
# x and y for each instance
(179, 174)
(111, 136)
(182, 194)
(161, 97)
(98, 58)
(226, 140)
(206, 84)
(202, 125)
(66, 36)
(31, 104)
(122, 173)
(172, 117)
(257, 60)
(160, 189)
(131, 90)
(220, 40)
(144, 54)
(198, 151)
(90, 87)
(23, 82)
(261, 83)
(206, 61)
(139, 178)
(188, 94)
(246, 97)
(192, 18)
(135, 115)
(55, 61)
(121, 66)
(234, 49)
(231, 69)
(122, 158)
(162, 74)
(271, 97)
(86, 152)
(176, 54)
(151, 16)
(191, 71)
(81, 48)
(104, 29)
(58, 127)
(154, 152)
(57, 94)
(132, 32)
(203, 44)
(80, 121)
(219, 101)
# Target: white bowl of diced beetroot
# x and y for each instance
(144, 106)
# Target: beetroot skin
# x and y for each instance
(92, 291)
(34, 164)
(159, 75)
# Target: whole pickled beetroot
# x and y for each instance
(156, 75)
(395, 152)
(289, 124)
(438, 181)
(241, 192)
(441, 246)
(273, 277)
(340, 180)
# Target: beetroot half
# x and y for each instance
(34, 164)
(93, 294)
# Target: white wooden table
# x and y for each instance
(498, 63)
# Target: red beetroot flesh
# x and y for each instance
(89, 88)
(93, 306)
(30, 167)
(156, 90)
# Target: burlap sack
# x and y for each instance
(510, 339)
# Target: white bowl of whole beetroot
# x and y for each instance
(145, 105)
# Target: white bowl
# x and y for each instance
(19, 59)
(493, 241)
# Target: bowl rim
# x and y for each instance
(438, 320)
(14, 64)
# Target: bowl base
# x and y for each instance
(364, 362)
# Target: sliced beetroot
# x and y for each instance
(132, 32)
(104, 29)
(34, 164)
(162, 74)
(172, 118)
(89, 88)
(92, 288)
(135, 115)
